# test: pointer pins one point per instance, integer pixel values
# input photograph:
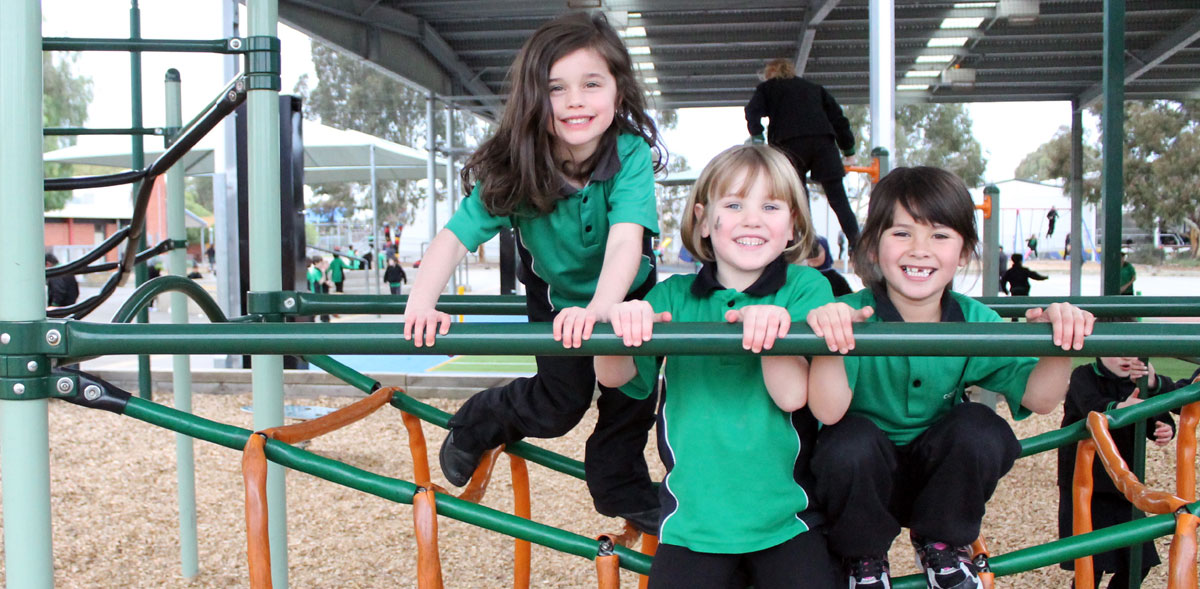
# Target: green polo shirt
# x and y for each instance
(905, 395)
(314, 279)
(336, 269)
(1128, 273)
(737, 464)
(566, 246)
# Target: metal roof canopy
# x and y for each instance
(709, 52)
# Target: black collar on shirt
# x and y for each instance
(773, 278)
(885, 310)
(607, 167)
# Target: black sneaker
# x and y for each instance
(945, 566)
(457, 464)
(869, 573)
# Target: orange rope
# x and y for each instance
(1081, 493)
(416, 446)
(1182, 573)
(477, 487)
(429, 566)
(1141, 496)
(980, 556)
(254, 475)
(522, 550)
(649, 547)
(608, 565)
(1185, 452)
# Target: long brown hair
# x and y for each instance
(515, 168)
(930, 195)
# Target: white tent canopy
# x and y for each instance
(330, 155)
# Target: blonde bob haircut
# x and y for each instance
(717, 179)
(779, 68)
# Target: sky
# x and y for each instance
(700, 134)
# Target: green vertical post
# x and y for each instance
(885, 164)
(24, 424)
(991, 243)
(181, 378)
(265, 271)
(137, 154)
(1113, 117)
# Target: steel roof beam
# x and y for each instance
(1141, 62)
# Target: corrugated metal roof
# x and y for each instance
(708, 52)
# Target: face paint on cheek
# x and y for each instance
(718, 225)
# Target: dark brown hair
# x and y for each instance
(515, 168)
(930, 195)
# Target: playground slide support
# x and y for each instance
(24, 424)
(262, 110)
(181, 378)
(1113, 142)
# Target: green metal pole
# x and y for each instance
(185, 466)
(1113, 118)
(991, 241)
(24, 425)
(137, 155)
(265, 271)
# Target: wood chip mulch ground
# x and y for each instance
(115, 516)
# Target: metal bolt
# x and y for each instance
(32, 365)
(289, 302)
(232, 96)
(53, 337)
(240, 85)
(91, 392)
(5, 338)
(19, 389)
(65, 385)
(235, 44)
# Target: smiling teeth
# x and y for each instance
(749, 241)
(917, 272)
(578, 121)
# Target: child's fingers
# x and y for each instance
(558, 326)
(733, 316)
(749, 324)
(589, 322)
(664, 317)
(647, 322)
(770, 334)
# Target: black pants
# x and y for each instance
(1119, 579)
(819, 155)
(938, 485)
(551, 403)
(338, 285)
(803, 561)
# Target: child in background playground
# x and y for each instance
(1110, 383)
(912, 450)
(735, 432)
(571, 169)
(1128, 274)
(316, 279)
(394, 276)
(1032, 242)
(336, 273)
(1015, 280)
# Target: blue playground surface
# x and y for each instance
(442, 363)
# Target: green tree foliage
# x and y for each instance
(937, 135)
(65, 98)
(354, 95)
(1162, 163)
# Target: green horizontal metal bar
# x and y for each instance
(1035, 557)
(102, 131)
(873, 339)
(144, 296)
(1117, 418)
(1111, 306)
(164, 45)
(396, 490)
(337, 304)
(321, 304)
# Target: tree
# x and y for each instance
(352, 94)
(937, 135)
(1161, 164)
(65, 99)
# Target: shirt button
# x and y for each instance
(730, 303)
(585, 200)
(588, 228)
(917, 383)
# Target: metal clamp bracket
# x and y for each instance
(262, 61)
(272, 303)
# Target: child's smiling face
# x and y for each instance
(583, 94)
(748, 228)
(918, 260)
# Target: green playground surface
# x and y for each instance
(498, 364)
